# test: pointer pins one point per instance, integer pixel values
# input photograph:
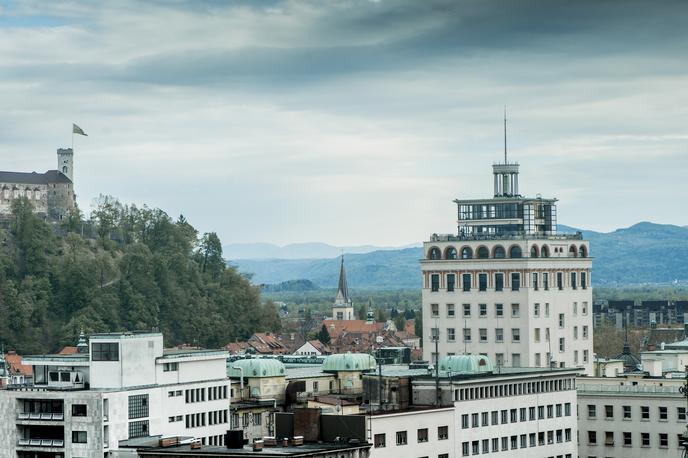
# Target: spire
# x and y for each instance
(343, 290)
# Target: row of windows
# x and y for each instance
(16, 193)
(138, 406)
(380, 440)
(626, 412)
(515, 442)
(170, 367)
(499, 252)
(627, 438)
(482, 312)
(497, 417)
(247, 419)
(199, 394)
(138, 429)
(480, 281)
(515, 389)
(105, 351)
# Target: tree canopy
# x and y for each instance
(124, 268)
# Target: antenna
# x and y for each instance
(505, 161)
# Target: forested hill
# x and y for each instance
(134, 269)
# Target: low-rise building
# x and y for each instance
(126, 386)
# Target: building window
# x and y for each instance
(538, 360)
(423, 435)
(592, 437)
(482, 310)
(466, 334)
(626, 412)
(466, 280)
(645, 439)
(451, 282)
(561, 320)
(401, 438)
(608, 411)
(451, 312)
(560, 280)
(499, 359)
(465, 450)
(138, 429)
(515, 281)
(380, 441)
(79, 437)
(499, 282)
(483, 334)
(78, 410)
(515, 360)
(499, 310)
(474, 420)
(545, 280)
(575, 332)
(451, 336)
(466, 253)
(644, 412)
(170, 367)
(535, 279)
(663, 440)
(105, 352)
(435, 333)
(536, 335)
(592, 411)
(442, 433)
(515, 311)
(435, 282)
(482, 282)
(464, 421)
(475, 447)
(562, 344)
(585, 356)
(627, 439)
(663, 414)
(536, 310)
(499, 335)
(435, 310)
(681, 413)
(574, 282)
(138, 406)
(466, 310)
(609, 438)
(584, 280)
(515, 334)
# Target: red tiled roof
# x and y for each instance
(338, 327)
(14, 362)
(68, 351)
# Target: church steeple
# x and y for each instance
(343, 308)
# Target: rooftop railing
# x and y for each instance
(630, 389)
(510, 236)
(40, 442)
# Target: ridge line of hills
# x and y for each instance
(642, 253)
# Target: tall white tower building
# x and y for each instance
(507, 285)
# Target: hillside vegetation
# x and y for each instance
(135, 269)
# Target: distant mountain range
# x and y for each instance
(308, 250)
(643, 253)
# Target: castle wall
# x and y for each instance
(36, 193)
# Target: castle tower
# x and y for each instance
(65, 162)
(343, 308)
(507, 285)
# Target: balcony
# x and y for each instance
(509, 236)
(40, 416)
(52, 443)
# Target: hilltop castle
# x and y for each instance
(51, 193)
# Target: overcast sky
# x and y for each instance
(352, 122)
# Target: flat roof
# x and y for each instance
(124, 335)
(176, 354)
(308, 449)
(79, 358)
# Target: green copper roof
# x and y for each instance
(343, 362)
(259, 368)
(466, 364)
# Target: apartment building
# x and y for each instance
(126, 386)
(508, 285)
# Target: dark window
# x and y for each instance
(423, 435)
(499, 282)
(466, 253)
(435, 282)
(560, 280)
(574, 280)
(78, 410)
(499, 252)
(451, 253)
(105, 352)
(515, 252)
(451, 282)
(545, 280)
(515, 281)
(79, 437)
(402, 438)
(138, 429)
(379, 441)
(466, 278)
(584, 280)
(483, 253)
(138, 406)
(482, 282)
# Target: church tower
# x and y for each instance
(65, 162)
(343, 308)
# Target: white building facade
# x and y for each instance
(126, 387)
(508, 285)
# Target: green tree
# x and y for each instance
(400, 322)
(210, 250)
(324, 335)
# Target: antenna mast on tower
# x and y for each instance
(505, 161)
